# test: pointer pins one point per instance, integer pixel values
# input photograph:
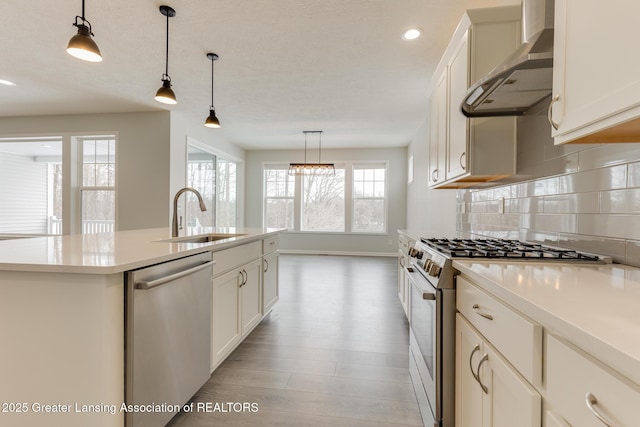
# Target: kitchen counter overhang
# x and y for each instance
(116, 252)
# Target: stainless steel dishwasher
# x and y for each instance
(168, 336)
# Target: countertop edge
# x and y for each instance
(174, 250)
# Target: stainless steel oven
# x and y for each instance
(432, 349)
(432, 311)
(432, 345)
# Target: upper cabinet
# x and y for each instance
(596, 74)
(472, 152)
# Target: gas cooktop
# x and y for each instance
(508, 249)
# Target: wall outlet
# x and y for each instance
(501, 205)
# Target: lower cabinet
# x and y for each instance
(269, 281)
(489, 392)
(237, 308)
(250, 298)
(583, 393)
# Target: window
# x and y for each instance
(368, 198)
(279, 192)
(323, 202)
(215, 178)
(201, 175)
(226, 202)
(31, 185)
(352, 201)
(98, 189)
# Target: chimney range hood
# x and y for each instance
(525, 78)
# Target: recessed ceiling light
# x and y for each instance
(7, 83)
(412, 34)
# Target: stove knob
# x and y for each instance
(437, 272)
(427, 265)
(434, 270)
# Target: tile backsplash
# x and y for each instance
(585, 197)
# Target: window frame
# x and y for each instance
(295, 198)
(385, 198)
(79, 225)
(348, 197)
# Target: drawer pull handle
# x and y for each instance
(476, 374)
(591, 404)
(476, 308)
(550, 112)
(476, 348)
(484, 387)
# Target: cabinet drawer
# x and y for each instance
(230, 258)
(516, 337)
(270, 244)
(571, 375)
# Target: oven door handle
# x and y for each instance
(429, 296)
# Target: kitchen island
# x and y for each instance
(62, 309)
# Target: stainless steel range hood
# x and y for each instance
(525, 78)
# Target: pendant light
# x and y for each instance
(165, 93)
(312, 168)
(212, 121)
(82, 45)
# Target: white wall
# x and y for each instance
(429, 210)
(142, 157)
(334, 242)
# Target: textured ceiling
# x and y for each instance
(285, 65)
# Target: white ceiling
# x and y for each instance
(285, 66)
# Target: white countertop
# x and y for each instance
(108, 253)
(595, 307)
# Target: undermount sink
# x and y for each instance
(203, 238)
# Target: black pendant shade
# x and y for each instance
(165, 94)
(81, 45)
(212, 121)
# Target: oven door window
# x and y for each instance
(423, 325)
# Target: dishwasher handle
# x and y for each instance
(153, 283)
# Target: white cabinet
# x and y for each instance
(489, 392)
(226, 332)
(237, 297)
(583, 393)
(596, 74)
(270, 290)
(404, 260)
(472, 152)
(250, 296)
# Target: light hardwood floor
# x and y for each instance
(333, 352)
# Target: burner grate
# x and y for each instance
(509, 249)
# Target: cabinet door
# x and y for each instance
(225, 326)
(433, 139)
(489, 392)
(441, 131)
(458, 123)
(510, 400)
(250, 296)
(468, 392)
(269, 281)
(595, 75)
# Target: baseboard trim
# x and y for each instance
(338, 253)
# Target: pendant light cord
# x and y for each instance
(212, 61)
(83, 10)
(166, 56)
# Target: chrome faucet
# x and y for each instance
(174, 221)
